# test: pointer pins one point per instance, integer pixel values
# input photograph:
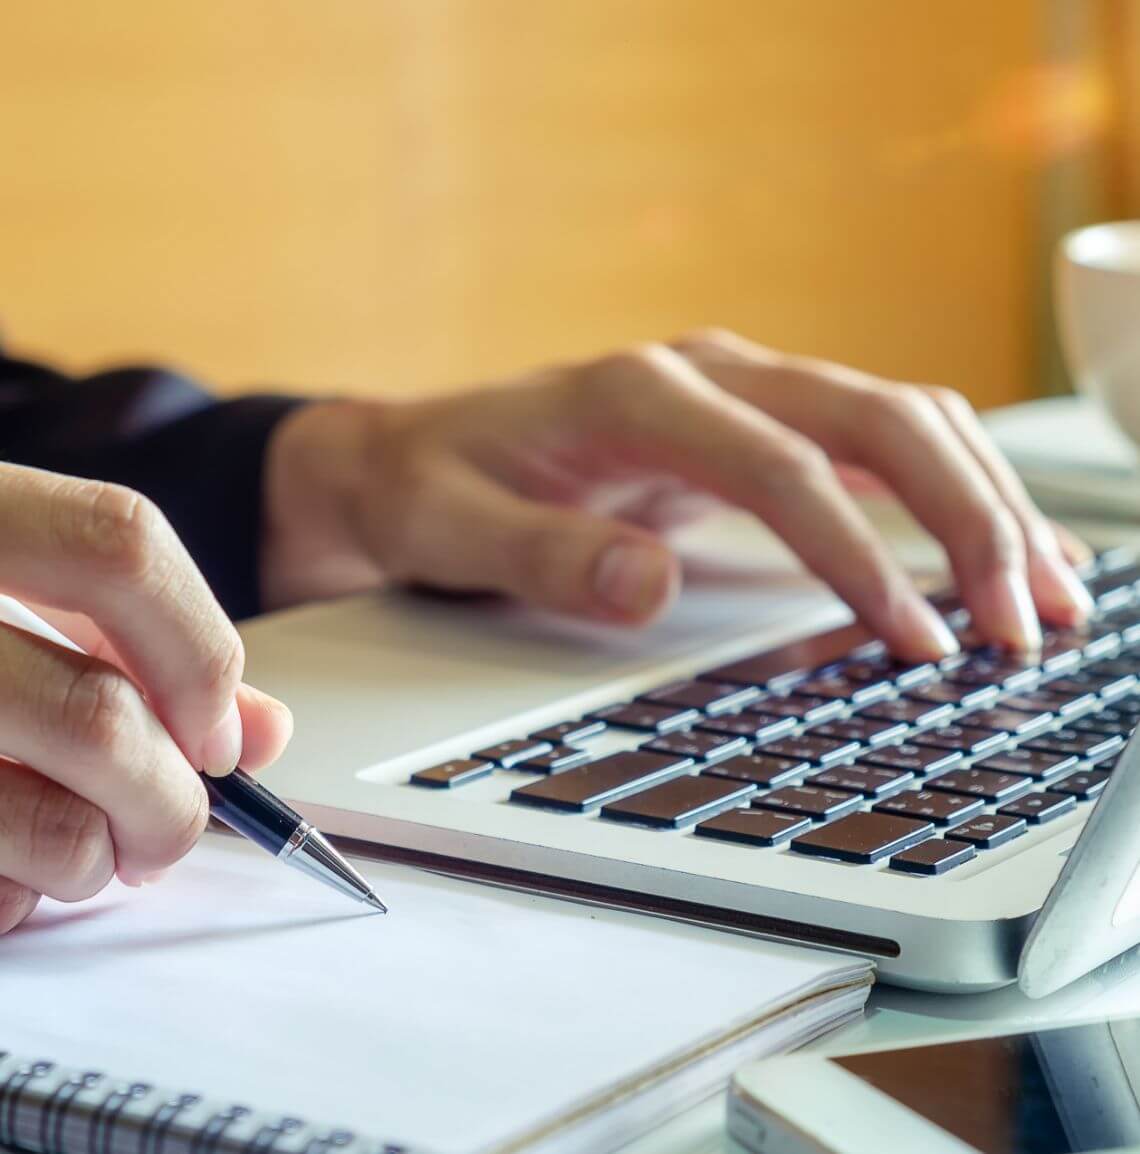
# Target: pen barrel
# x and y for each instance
(250, 809)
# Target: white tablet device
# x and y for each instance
(1062, 1091)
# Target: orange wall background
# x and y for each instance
(407, 194)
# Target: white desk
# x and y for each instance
(897, 1017)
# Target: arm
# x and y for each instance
(199, 459)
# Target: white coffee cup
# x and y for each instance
(1097, 284)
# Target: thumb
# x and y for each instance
(553, 556)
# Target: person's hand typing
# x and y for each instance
(100, 751)
(492, 489)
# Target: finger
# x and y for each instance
(108, 553)
(16, 904)
(549, 555)
(84, 725)
(900, 434)
(1056, 588)
(1076, 551)
(51, 840)
(267, 726)
(671, 415)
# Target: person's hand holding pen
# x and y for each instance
(492, 490)
(101, 753)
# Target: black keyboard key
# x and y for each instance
(987, 784)
(916, 713)
(1007, 671)
(1128, 663)
(509, 753)
(818, 750)
(648, 718)
(808, 710)
(697, 744)
(901, 674)
(452, 773)
(963, 738)
(869, 780)
(557, 760)
(932, 857)
(1083, 784)
(940, 808)
(989, 830)
(751, 726)
(1106, 687)
(865, 730)
(843, 688)
(1104, 726)
(917, 759)
(1039, 764)
(1008, 721)
(809, 801)
(1059, 653)
(959, 696)
(570, 731)
(678, 802)
(708, 696)
(1092, 640)
(1066, 704)
(1091, 746)
(862, 837)
(768, 772)
(753, 826)
(1038, 808)
(601, 781)
(761, 670)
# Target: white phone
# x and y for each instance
(1070, 1090)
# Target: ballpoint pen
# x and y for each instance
(240, 801)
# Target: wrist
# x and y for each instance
(314, 477)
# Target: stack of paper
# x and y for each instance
(468, 1019)
(1072, 457)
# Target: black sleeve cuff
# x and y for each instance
(205, 471)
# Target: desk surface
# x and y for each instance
(898, 1017)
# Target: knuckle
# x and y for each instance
(16, 903)
(96, 708)
(70, 841)
(903, 405)
(225, 664)
(797, 463)
(707, 338)
(188, 825)
(642, 364)
(124, 534)
(949, 400)
(999, 543)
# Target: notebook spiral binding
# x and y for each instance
(50, 1109)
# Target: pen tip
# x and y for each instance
(375, 902)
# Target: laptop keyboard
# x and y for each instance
(867, 759)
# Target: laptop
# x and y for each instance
(752, 763)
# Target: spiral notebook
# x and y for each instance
(221, 1009)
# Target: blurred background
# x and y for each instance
(395, 195)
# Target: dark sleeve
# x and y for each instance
(198, 458)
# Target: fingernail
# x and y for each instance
(1012, 611)
(933, 638)
(222, 747)
(632, 578)
(152, 877)
(1061, 588)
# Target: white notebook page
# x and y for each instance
(464, 1016)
